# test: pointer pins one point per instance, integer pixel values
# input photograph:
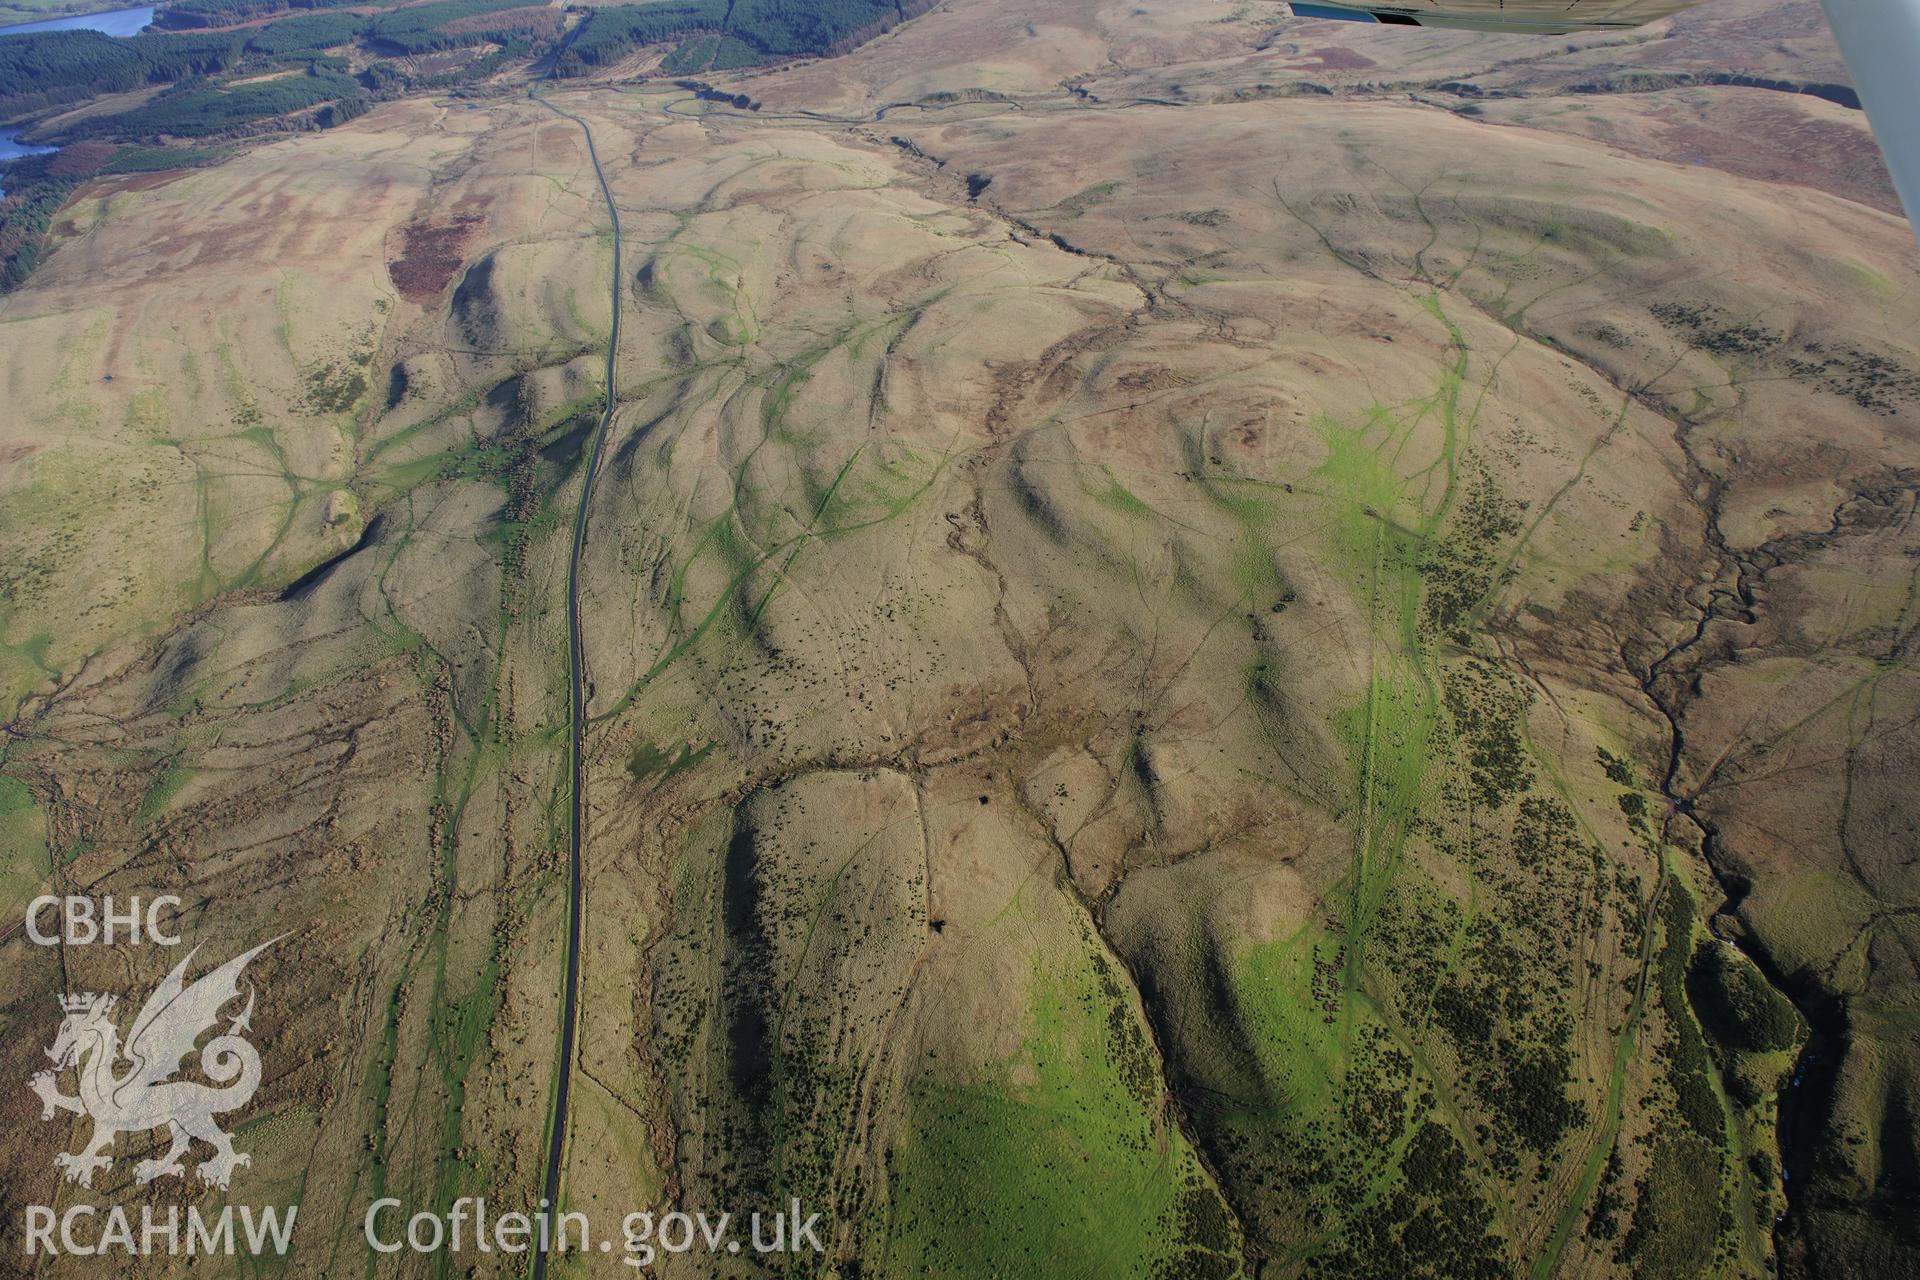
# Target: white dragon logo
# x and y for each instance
(142, 1097)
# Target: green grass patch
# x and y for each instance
(648, 761)
(1060, 1167)
(24, 865)
(160, 792)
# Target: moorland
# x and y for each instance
(1207, 645)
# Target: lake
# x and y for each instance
(115, 22)
(9, 149)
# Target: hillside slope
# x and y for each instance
(1186, 679)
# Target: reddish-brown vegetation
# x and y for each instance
(430, 256)
(81, 160)
(534, 20)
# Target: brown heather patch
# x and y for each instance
(430, 256)
(1333, 58)
(534, 19)
(81, 160)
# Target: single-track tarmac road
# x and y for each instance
(576, 722)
